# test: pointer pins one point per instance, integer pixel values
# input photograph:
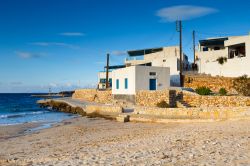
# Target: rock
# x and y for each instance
(123, 118)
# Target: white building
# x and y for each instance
(157, 57)
(235, 49)
(102, 79)
(129, 80)
(160, 57)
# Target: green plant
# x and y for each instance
(162, 104)
(221, 60)
(203, 90)
(242, 85)
(223, 91)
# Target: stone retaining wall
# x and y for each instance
(196, 100)
(196, 113)
(103, 109)
(93, 95)
(151, 98)
(214, 83)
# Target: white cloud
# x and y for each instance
(184, 12)
(28, 55)
(73, 34)
(118, 53)
(60, 44)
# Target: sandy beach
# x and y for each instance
(95, 141)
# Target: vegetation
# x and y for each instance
(221, 60)
(223, 91)
(203, 90)
(242, 85)
(162, 104)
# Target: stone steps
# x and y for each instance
(182, 104)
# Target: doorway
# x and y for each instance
(152, 84)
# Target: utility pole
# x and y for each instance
(194, 46)
(179, 29)
(107, 72)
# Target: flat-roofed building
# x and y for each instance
(236, 53)
(129, 80)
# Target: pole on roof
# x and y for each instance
(194, 46)
(179, 29)
(107, 72)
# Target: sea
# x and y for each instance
(18, 109)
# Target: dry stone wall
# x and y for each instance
(196, 100)
(214, 83)
(196, 113)
(93, 95)
(152, 98)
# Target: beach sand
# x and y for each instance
(82, 141)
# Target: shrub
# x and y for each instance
(203, 90)
(222, 91)
(242, 85)
(221, 60)
(162, 104)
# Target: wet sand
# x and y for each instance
(96, 141)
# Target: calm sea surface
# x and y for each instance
(22, 108)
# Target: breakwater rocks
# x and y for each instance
(62, 106)
(91, 111)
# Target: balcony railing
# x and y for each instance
(134, 58)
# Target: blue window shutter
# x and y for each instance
(117, 84)
(126, 83)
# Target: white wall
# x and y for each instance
(234, 67)
(121, 74)
(102, 75)
(138, 79)
(142, 77)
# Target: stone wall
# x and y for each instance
(214, 83)
(151, 98)
(196, 100)
(102, 109)
(196, 113)
(93, 95)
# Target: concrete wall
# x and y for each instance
(138, 79)
(234, 67)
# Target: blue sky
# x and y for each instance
(62, 44)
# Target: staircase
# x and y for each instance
(182, 104)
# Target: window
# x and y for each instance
(152, 73)
(117, 84)
(126, 83)
(205, 49)
(102, 80)
(110, 82)
(216, 48)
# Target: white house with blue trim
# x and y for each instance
(129, 80)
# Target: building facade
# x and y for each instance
(154, 57)
(129, 80)
(235, 50)
(160, 57)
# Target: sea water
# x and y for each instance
(22, 108)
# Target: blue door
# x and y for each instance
(152, 84)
